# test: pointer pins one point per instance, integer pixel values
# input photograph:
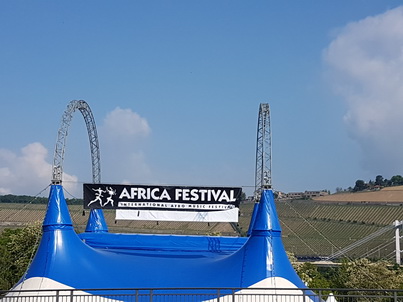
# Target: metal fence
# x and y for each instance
(202, 294)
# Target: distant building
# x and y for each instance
(294, 195)
(312, 194)
(303, 195)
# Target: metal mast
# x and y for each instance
(398, 225)
(263, 151)
(57, 170)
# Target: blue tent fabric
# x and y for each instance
(266, 219)
(96, 222)
(191, 246)
(57, 213)
(101, 260)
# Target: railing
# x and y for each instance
(202, 294)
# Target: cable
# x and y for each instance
(64, 189)
(377, 248)
(305, 220)
(307, 245)
(26, 204)
(348, 258)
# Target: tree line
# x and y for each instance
(10, 198)
(378, 183)
(359, 273)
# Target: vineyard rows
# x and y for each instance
(313, 229)
(17, 215)
(308, 228)
(380, 215)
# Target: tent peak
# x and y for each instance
(96, 222)
(266, 221)
(57, 213)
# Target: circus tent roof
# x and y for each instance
(104, 260)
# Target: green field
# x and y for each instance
(310, 229)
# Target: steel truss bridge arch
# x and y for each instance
(84, 108)
(263, 151)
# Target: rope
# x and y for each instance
(305, 220)
(296, 235)
(26, 204)
(377, 248)
(64, 189)
(348, 258)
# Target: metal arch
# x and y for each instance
(57, 170)
(263, 151)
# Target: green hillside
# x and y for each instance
(13, 215)
(319, 229)
(310, 228)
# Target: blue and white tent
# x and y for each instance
(97, 259)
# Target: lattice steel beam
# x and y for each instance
(263, 151)
(57, 170)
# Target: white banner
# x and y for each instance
(190, 216)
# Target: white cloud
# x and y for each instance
(124, 124)
(28, 173)
(123, 138)
(365, 62)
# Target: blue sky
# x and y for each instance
(189, 76)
